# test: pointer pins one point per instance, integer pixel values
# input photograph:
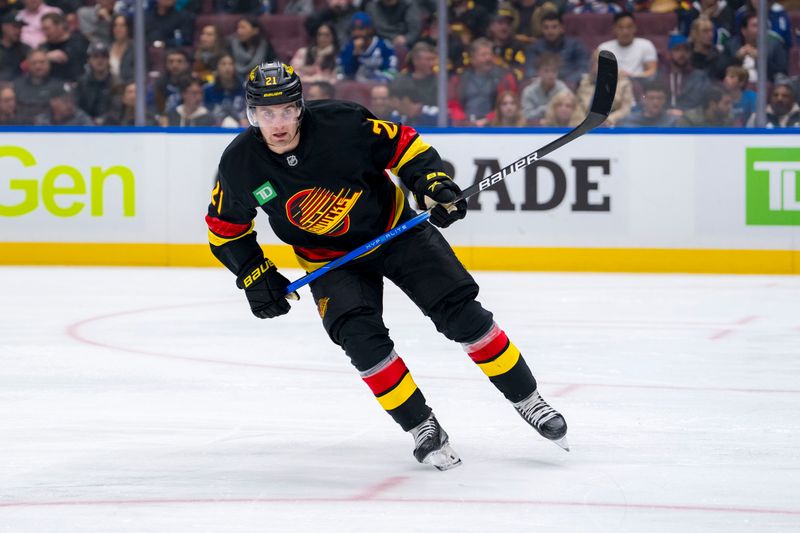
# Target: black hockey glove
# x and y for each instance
(437, 190)
(265, 289)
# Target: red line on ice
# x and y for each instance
(73, 331)
(371, 493)
(467, 501)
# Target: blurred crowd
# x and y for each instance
(510, 63)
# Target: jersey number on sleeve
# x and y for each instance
(216, 197)
(389, 127)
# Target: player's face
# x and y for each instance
(278, 125)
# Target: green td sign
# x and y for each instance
(773, 186)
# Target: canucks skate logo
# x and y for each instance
(321, 211)
(773, 186)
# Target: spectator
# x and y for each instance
(537, 95)
(339, 14)
(396, 21)
(744, 100)
(623, 98)
(380, 102)
(779, 25)
(422, 73)
(242, 7)
(33, 89)
(685, 85)
(96, 85)
(718, 13)
(562, 111)
(12, 50)
(299, 7)
(473, 93)
(574, 57)
(123, 109)
(637, 57)
(744, 48)
(543, 7)
(94, 21)
(525, 11)
(249, 47)
(191, 112)
(653, 110)
(168, 26)
(224, 97)
(706, 55)
(413, 112)
(317, 62)
(210, 47)
(782, 110)
(120, 54)
(8, 106)
(509, 49)
(31, 16)
(166, 91)
(319, 90)
(65, 50)
(367, 57)
(468, 19)
(715, 112)
(62, 110)
(507, 111)
(595, 6)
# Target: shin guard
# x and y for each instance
(501, 361)
(394, 388)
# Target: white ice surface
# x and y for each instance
(151, 400)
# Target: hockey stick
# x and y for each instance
(604, 90)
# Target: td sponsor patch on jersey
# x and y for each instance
(265, 193)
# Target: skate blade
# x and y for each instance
(561, 443)
(442, 459)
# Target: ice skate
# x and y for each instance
(431, 445)
(544, 419)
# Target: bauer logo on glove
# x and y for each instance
(440, 194)
(257, 272)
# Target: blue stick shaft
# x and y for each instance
(364, 248)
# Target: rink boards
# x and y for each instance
(716, 201)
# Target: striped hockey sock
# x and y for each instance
(394, 388)
(501, 361)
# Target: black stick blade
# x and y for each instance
(606, 85)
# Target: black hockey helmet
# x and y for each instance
(272, 83)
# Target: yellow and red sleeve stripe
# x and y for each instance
(221, 232)
(409, 146)
(496, 355)
(392, 385)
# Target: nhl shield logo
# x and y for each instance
(291, 160)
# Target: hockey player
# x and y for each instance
(318, 170)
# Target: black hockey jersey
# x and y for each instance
(326, 197)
